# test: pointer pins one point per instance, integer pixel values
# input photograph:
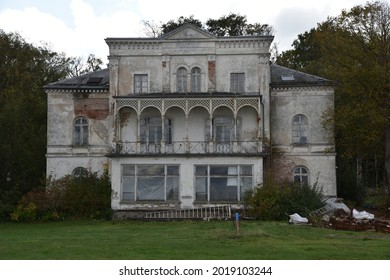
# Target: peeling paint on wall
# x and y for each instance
(93, 108)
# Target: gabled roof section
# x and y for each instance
(187, 31)
(283, 76)
(93, 81)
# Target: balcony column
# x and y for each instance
(259, 134)
(211, 139)
(187, 140)
(162, 134)
(235, 143)
(138, 145)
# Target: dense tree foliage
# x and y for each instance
(24, 70)
(230, 25)
(353, 49)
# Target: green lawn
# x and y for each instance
(183, 240)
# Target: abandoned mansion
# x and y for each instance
(189, 120)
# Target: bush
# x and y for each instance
(274, 201)
(68, 197)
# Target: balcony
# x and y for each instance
(236, 148)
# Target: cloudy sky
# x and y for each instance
(79, 27)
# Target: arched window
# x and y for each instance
(301, 175)
(80, 131)
(181, 83)
(300, 129)
(195, 79)
(79, 172)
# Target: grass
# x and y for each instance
(185, 240)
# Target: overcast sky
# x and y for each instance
(79, 27)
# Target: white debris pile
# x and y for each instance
(297, 219)
(361, 215)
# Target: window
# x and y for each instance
(181, 85)
(79, 172)
(150, 182)
(151, 130)
(195, 79)
(222, 182)
(237, 81)
(80, 131)
(301, 175)
(140, 83)
(223, 130)
(300, 129)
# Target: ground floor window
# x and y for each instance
(150, 182)
(223, 182)
(301, 175)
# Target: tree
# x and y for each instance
(235, 25)
(230, 25)
(354, 50)
(78, 66)
(24, 70)
(172, 24)
(151, 29)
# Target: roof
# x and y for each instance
(98, 80)
(283, 76)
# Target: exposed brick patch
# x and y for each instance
(211, 70)
(93, 108)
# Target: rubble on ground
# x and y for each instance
(338, 216)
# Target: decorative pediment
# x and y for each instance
(187, 31)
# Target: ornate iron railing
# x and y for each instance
(188, 147)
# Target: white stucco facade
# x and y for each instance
(189, 120)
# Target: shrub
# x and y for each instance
(274, 201)
(67, 197)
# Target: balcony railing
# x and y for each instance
(189, 147)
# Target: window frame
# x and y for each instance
(237, 82)
(152, 126)
(300, 130)
(301, 175)
(138, 172)
(181, 80)
(80, 131)
(141, 85)
(234, 178)
(79, 172)
(196, 79)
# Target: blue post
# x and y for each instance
(238, 223)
